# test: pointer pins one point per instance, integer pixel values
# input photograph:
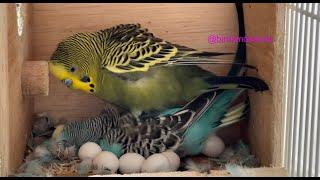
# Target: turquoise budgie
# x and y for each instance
(130, 67)
(183, 131)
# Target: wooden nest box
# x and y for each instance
(29, 36)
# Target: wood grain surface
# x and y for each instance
(16, 110)
(265, 128)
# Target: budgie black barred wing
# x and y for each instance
(158, 134)
(147, 139)
(129, 48)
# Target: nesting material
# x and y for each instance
(238, 154)
(131, 163)
(89, 150)
(91, 160)
(42, 130)
(235, 155)
(64, 168)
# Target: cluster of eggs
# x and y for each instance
(135, 163)
(130, 162)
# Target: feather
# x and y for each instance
(199, 166)
(234, 170)
(84, 167)
(239, 171)
(33, 168)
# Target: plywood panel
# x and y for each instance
(247, 172)
(278, 132)
(4, 91)
(186, 24)
(20, 107)
(265, 125)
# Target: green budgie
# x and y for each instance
(183, 131)
(130, 67)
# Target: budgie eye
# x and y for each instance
(72, 69)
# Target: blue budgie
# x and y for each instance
(183, 131)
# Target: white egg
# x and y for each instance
(213, 146)
(131, 163)
(106, 160)
(156, 163)
(89, 150)
(173, 158)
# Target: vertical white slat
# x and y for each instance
(291, 66)
(315, 93)
(297, 103)
(317, 165)
(307, 138)
(304, 81)
(292, 88)
(288, 55)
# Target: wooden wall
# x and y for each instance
(4, 91)
(16, 110)
(186, 24)
(265, 128)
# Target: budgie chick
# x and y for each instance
(130, 67)
(183, 131)
(34, 164)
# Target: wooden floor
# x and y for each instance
(252, 172)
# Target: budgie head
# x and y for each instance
(58, 137)
(61, 145)
(75, 62)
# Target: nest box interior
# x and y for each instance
(27, 87)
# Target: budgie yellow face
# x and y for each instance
(74, 62)
(72, 79)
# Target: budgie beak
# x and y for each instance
(68, 78)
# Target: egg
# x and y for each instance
(213, 146)
(156, 163)
(106, 160)
(131, 163)
(173, 158)
(89, 150)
